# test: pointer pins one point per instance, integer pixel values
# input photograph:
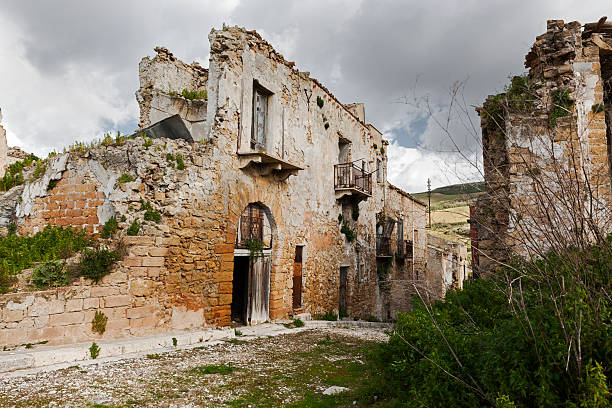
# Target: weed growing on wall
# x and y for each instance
(191, 95)
(320, 102)
(561, 105)
(98, 324)
(125, 178)
(96, 263)
(180, 164)
(13, 175)
(133, 228)
(150, 213)
(109, 228)
(50, 274)
(348, 232)
(51, 184)
(255, 247)
(52, 243)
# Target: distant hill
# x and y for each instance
(454, 189)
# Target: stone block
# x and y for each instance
(141, 287)
(66, 318)
(91, 303)
(56, 306)
(118, 300)
(12, 315)
(132, 261)
(140, 312)
(153, 261)
(158, 251)
(74, 305)
(103, 291)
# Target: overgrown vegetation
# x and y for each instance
(96, 263)
(13, 175)
(320, 102)
(255, 247)
(597, 108)
(180, 164)
(51, 184)
(348, 232)
(191, 95)
(50, 274)
(110, 227)
(518, 97)
(329, 315)
(561, 105)
(133, 228)
(125, 178)
(150, 213)
(98, 323)
(538, 334)
(52, 243)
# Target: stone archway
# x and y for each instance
(252, 264)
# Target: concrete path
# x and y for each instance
(49, 358)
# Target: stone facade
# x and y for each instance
(546, 152)
(274, 158)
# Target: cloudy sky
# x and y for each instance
(69, 68)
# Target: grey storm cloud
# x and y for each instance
(68, 68)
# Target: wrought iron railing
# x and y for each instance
(383, 246)
(349, 175)
(251, 226)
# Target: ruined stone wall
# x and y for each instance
(546, 162)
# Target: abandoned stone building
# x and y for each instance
(546, 147)
(273, 197)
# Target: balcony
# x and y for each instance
(383, 247)
(350, 179)
(266, 164)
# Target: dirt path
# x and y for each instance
(286, 370)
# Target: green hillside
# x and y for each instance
(456, 195)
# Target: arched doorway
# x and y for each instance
(252, 263)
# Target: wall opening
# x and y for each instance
(343, 150)
(297, 277)
(252, 265)
(343, 293)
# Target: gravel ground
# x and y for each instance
(263, 372)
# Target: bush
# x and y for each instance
(191, 95)
(348, 232)
(150, 214)
(50, 274)
(329, 315)
(98, 324)
(180, 163)
(13, 175)
(125, 178)
(96, 263)
(94, 350)
(133, 228)
(110, 227)
(483, 350)
(52, 243)
(6, 281)
(298, 323)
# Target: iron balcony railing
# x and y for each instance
(349, 175)
(383, 246)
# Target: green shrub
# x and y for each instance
(109, 228)
(483, 350)
(561, 104)
(597, 108)
(148, 142)
(6, 281)
(329, 315)
(52, 243)
(125, 178)
(169, 157)
(94, 350)
(191, 95)
(108, 140)
(51, 184)
(96, 263)
(133, 228)
(320, 102)
(13, 175)
(382, 150)
(50, 274)
(180, 164)
(298, 323)
(150, 213)
(174, 341)
(348, 232)
(98, 323)
(40, 169)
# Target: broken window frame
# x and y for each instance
(259, 130)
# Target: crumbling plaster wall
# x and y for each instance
(528, 148)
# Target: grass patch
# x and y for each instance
(329, 315)
(50, 274)
(223, 369)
